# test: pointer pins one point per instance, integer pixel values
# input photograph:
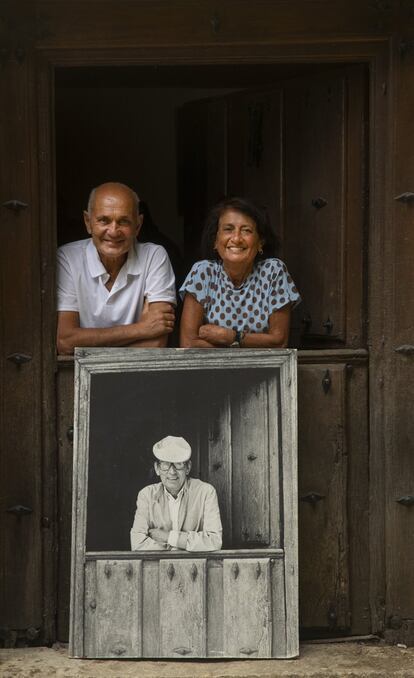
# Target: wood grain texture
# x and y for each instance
(247, 608)
(357, 445)
(220, 462)
(207, 22)
(22, 554)
(182, 587)
(91, 631)
(215, 609)
(151, 609)
(275, 470)
(118, 615)
(398, 384)
(289, 511)
(279, 638)
(250, 439)
(324, 567)
(325, 156)
(65, 394)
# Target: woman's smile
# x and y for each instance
(237, 240)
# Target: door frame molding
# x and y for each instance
(375, 54)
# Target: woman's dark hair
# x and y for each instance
(256, 212)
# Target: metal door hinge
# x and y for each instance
(306, 322)
(319, 203)
(182, 650)
(326, 381)
(19, 510)
(405, 349)
(15, 205)
(406, 500)
(312, 498)
(19, 358)
(405, 197)
(328, 325)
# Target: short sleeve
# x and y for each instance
(282, 290)
(160, 279)
(197, 282)
(67, 298)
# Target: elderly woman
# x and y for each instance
(240, 295)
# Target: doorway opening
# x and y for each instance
(289, 136)
(295, 138)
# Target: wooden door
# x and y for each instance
(300, 149)
(26, 515)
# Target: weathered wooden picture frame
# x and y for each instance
(237, 408)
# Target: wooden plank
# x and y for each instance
(187, 24)
(250, 464)
(220, 463)
(22, 460)
(215, 609)
(151, 609)
(247, 608)
(275, 470)
(323, 533)
(182, 600)
(279, 638)
(64, 400)
(289, 464)
(358, 495)
(90, 605)
(314, 169)
(398, 382)
(118, 617)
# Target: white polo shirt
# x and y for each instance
(81, 277)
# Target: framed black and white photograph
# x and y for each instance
(184, 535)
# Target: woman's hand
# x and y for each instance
(219, 336)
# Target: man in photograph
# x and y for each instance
(111, 289)
(180, 512)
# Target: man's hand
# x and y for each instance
(220, 336)
(159, 535)
(157, 319)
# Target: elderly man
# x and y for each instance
(112, 290)
(179, 512)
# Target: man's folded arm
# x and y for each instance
(140, 539)
(152, 329)
(208, 539)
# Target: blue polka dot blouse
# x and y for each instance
(248, 307)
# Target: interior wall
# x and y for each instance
(124, 134)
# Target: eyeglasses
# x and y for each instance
(166, 465)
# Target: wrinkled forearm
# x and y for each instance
(142, 542)
(198, 541)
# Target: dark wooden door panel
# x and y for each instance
(333, 494)
(323, 541)
(21, 511)
(255, 149)
(400, 502)
(315, 193)
(323, 213)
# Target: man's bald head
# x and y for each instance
(116, 188)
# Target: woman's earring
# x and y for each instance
(260, 251)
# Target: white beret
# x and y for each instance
(172, 449)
